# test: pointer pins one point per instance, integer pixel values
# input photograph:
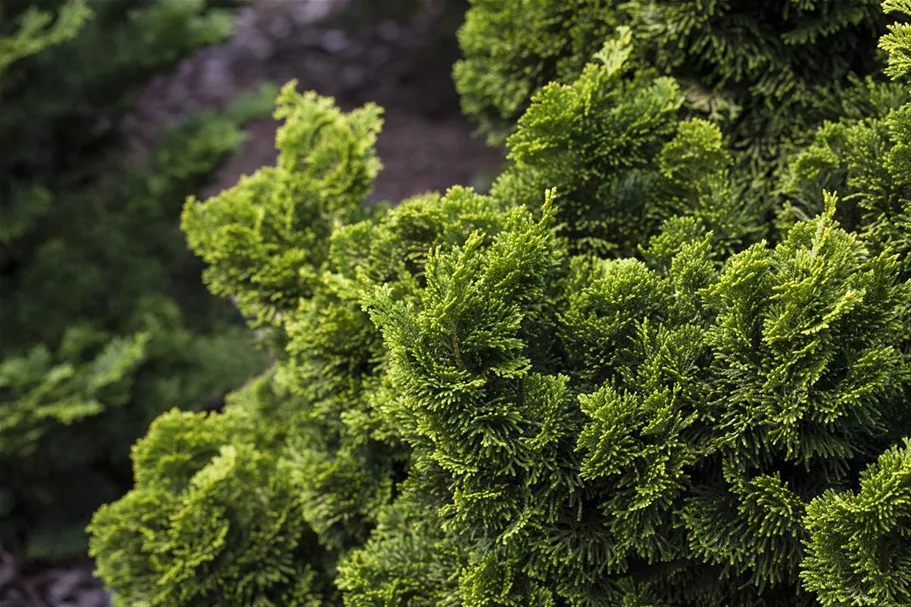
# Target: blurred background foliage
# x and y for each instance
(104, 320)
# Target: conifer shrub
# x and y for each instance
(768, 70)
(104, 325)
(866, 160)
(618, 379)
(622, 161)
(212, 543)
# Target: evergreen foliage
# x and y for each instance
(613, 146)
(633, 389)
(763, 68)
(189, 532)
(859, 551)
(104, 325)
(866, 160)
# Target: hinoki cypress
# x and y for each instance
(628, 376)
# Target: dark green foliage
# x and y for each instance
(859, 551)
(760, 66)
(104, 325)
(512, 49)
(409, 559)
(596, 386)
(680, 399)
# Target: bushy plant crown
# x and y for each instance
(766, 69)
(618, 379)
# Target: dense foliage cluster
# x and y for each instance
(768, 70)
(104, 323)
(628, 376)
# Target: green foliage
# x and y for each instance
(104, 325)
(596, 386)
(867, 162)
(898, 41)
(858, 551)
(663, 409)
(189, 532)
(760, 67)
(64, 392)
(613, 146)
(537, 42)
(409, 559)
(268, 253)
(35, 32)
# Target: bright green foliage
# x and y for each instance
(759, 64)
(860, 548)
(800, 404)
(612, 145)
(467, 383)
(898, 42)
(268, 242)
(268, 253)
(605, 392)
(349, 446)
(207, 524)
(868, 163)
(310, 292)
(103, 324)
(866, 160)
(36, 32)
(857, 549)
